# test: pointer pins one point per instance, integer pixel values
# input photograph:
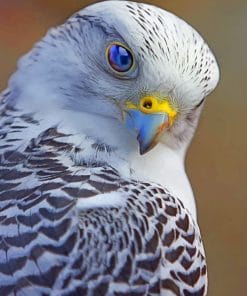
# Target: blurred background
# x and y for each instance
(217, 160)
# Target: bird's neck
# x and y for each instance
(107, 142)
(111, 143)
(165, 166)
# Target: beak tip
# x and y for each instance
(142, 151)
(143, 147)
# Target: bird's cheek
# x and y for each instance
(147, 127)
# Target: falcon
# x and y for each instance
(94, 128)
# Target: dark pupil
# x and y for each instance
(120, 58)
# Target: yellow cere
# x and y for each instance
(152, 105)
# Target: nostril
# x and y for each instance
(147, 104)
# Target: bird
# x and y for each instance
(94, 128)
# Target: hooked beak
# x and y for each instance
(149, 119)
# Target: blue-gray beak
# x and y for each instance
(148, 119)
(148, 127)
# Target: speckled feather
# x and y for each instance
(149, 245)
(73, 219)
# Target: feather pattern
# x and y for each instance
(81, 211)
(144, 242)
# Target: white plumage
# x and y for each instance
(82, 212)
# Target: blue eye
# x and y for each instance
(119, 58)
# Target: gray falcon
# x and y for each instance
(94, 128)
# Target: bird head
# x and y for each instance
(134, 63)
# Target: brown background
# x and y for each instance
(217, 159)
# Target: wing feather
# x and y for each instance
(79, 230)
